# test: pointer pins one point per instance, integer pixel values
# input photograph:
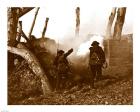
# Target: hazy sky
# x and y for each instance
(62, 17)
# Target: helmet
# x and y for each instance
(95, 43)
(60, 52)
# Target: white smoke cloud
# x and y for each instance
(84, 47)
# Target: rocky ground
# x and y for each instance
(24, 88)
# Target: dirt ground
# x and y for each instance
(24, 88)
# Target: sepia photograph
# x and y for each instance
(69, 55)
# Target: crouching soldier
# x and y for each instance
(62, 67)
(96, 61)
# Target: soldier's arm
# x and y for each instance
(68, 52)
(102, 55)
(91, 51)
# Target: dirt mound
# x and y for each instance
(22, 83)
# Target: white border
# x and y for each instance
(82, 108)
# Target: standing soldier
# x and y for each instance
(63, 68)
(96, 61)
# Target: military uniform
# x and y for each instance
(96, 60)
(62, 67)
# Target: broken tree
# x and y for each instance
(110, 22)
(108, 31)
(119, 23)
(33, 64)
(12, 29)
(13, 14)
(115, 49)
(15, 47)
(77, 21)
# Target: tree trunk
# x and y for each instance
(19, 31)
(13, 14)
(12, 32)
(110, 22)
(108, 31)
(119, 23)
(77, 21)
(33, 64)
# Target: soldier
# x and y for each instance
(62, 67)
(96, 61)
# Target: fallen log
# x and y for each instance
(33, 64)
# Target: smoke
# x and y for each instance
(84, 47)
(81, 46)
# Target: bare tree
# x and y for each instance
(77, 21)
(15, 47)
(12, 32)
(110, 22)
(119, 23)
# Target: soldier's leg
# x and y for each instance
(58, 81)
(99, 72)
(93, 75)
(64, 83)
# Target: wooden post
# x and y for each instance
(30, 33)
(45, 27)
(119, 23)
(77, 22)
(110, 22)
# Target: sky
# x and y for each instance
(62, 17)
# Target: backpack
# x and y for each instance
(63, 67)
(94, 59)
